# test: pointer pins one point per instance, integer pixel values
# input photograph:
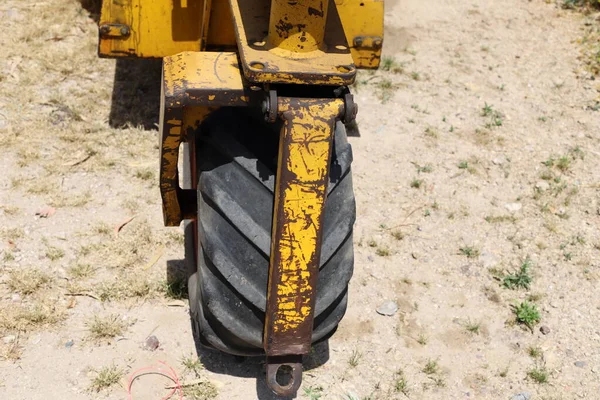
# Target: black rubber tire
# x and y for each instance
(236, 160)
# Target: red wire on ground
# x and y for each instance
(156, 370)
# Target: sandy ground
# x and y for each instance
(479, 153)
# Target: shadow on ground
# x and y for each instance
(136, 89)
(93, 7)
(136, 93)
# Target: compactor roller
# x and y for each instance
(256, 95)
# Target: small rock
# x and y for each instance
(513, 207)
(498, 160)
(15, 298)
(542, 186)
(69, 344)
(521, 396)
(544, 329)
(152, 343)
(580, 364)
(370, 258)
(9, 339)
(388, 308)
(489, 260)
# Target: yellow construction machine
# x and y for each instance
(256, 94)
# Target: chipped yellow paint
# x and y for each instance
(173, 132)
(193, 85)
(302, 176)
(297, 26)
(214, 73)
(161, 28)
(294, 50)
(158, 28)
(362, 18)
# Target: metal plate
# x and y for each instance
(203, 79)
(157, 28)
(363, 25)
(265, 63)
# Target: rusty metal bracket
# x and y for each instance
(302, 177)
(368, 42)
(363, 25)
(294, 365)
(114, 31)
(193, 85)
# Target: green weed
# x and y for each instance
(520, 279)
(469, 251)
(527, 314)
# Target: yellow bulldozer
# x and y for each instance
(255, 102)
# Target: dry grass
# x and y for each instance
(135, 244)
(145, 174)
(26, 157)
(127, 287)
(106, 377)
(12, 234)
(201, 391)
(11, 351)
(102, 228)
(81, 271)
(106, 327)
(24, 318)
(40, 187)
(27, 281)
(10, 210)
(54, 253)
(62, 200)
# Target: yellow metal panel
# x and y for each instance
(207, 78)
(363, 25)
(156, 28)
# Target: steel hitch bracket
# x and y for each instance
(300, 193)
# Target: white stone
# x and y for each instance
(542, 186)
(513, 207)
(388, 308)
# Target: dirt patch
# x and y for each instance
(479, 153)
